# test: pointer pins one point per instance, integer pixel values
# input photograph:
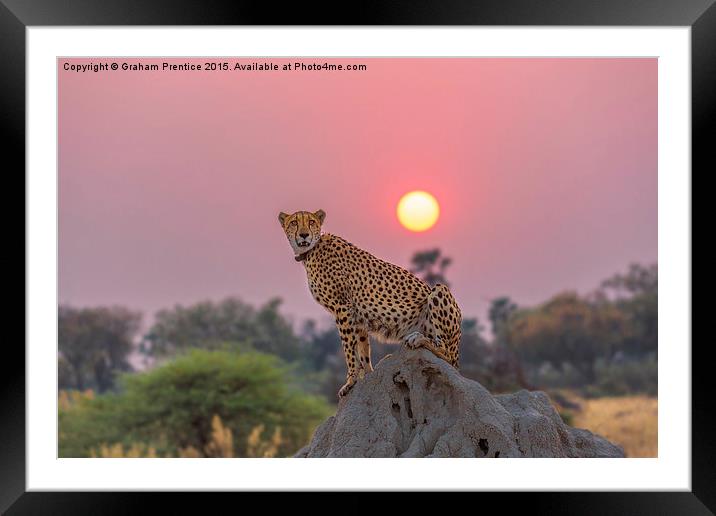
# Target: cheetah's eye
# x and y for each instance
(311, 223)
(293, 223)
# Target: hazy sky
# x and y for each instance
(170, 182)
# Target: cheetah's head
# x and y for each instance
(303, 229)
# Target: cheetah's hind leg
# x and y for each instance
(417, 340)
(445, 319)
(442, 318)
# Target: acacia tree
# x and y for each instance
(94, 345)
(430, 265)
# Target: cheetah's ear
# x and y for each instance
(321, 215)
(282, 217)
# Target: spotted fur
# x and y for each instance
(370, 297)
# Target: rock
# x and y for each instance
(416, 405)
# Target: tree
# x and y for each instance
(501, 309)
(94, 345)
(174, 407)
(319, 345)
(211, 325)
(639, 280)
(430, 265)
(475, 352)
(566, 329)
(635, 293)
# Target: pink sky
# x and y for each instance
(170, 182)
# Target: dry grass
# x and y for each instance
(221, 444)
(630, 421)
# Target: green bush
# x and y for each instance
(87, 422)
(628, 376)
(547, 376)
(171, 407)
(620, 377)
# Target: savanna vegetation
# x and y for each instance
(227, 379)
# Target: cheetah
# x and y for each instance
(370, 297)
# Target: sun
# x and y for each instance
(418, 211)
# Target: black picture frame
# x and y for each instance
(17, 15)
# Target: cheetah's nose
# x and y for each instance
(304, 235)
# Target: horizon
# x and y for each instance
(326, 320)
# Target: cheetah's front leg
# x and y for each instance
(363, 351)
(349, 341)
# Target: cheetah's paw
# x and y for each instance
(416, 340)
(343, 391)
